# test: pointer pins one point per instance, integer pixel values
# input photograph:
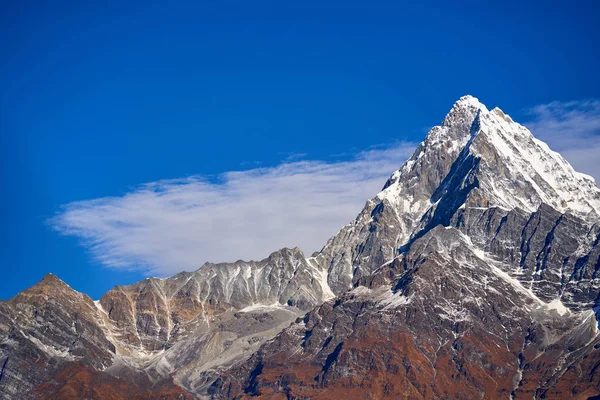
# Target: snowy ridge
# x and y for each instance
(502, 144)
(529, 159)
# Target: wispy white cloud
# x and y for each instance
(168, 226)
(573, 129)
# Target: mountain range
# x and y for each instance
(472, 274)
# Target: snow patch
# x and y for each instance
(321, 274)
(391, 300)
(51, 351)
(263, 307)
(557, 306)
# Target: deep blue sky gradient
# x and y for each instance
(98, 98)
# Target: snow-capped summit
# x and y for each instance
(508, 166)
(464, 111)
(476, 159)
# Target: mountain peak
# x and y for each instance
(50, 277)
(463, 112)
(49, 281)
(492, 161)
(468, 100)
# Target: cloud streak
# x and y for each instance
(573, 129)
(164, 227)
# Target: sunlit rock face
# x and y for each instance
(44, 328)
(472, 274)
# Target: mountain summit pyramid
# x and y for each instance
(477, 159)
(472, 274)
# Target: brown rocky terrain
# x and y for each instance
(76, 381)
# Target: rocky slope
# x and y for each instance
(440, 321)
(155, 313)
(186, 328)
(42, 329)
(472, 274)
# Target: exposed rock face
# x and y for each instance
(387, 220)
(44, 327)
(155, 313)
(476, 160)
(472, 274)
(441, 321)
(186, 327)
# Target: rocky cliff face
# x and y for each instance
(441, 321)
(472, 274)
(476, 160)
(42, 329)
(154, 314)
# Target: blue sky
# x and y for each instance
(97, 100)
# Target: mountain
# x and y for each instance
(472, 274)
